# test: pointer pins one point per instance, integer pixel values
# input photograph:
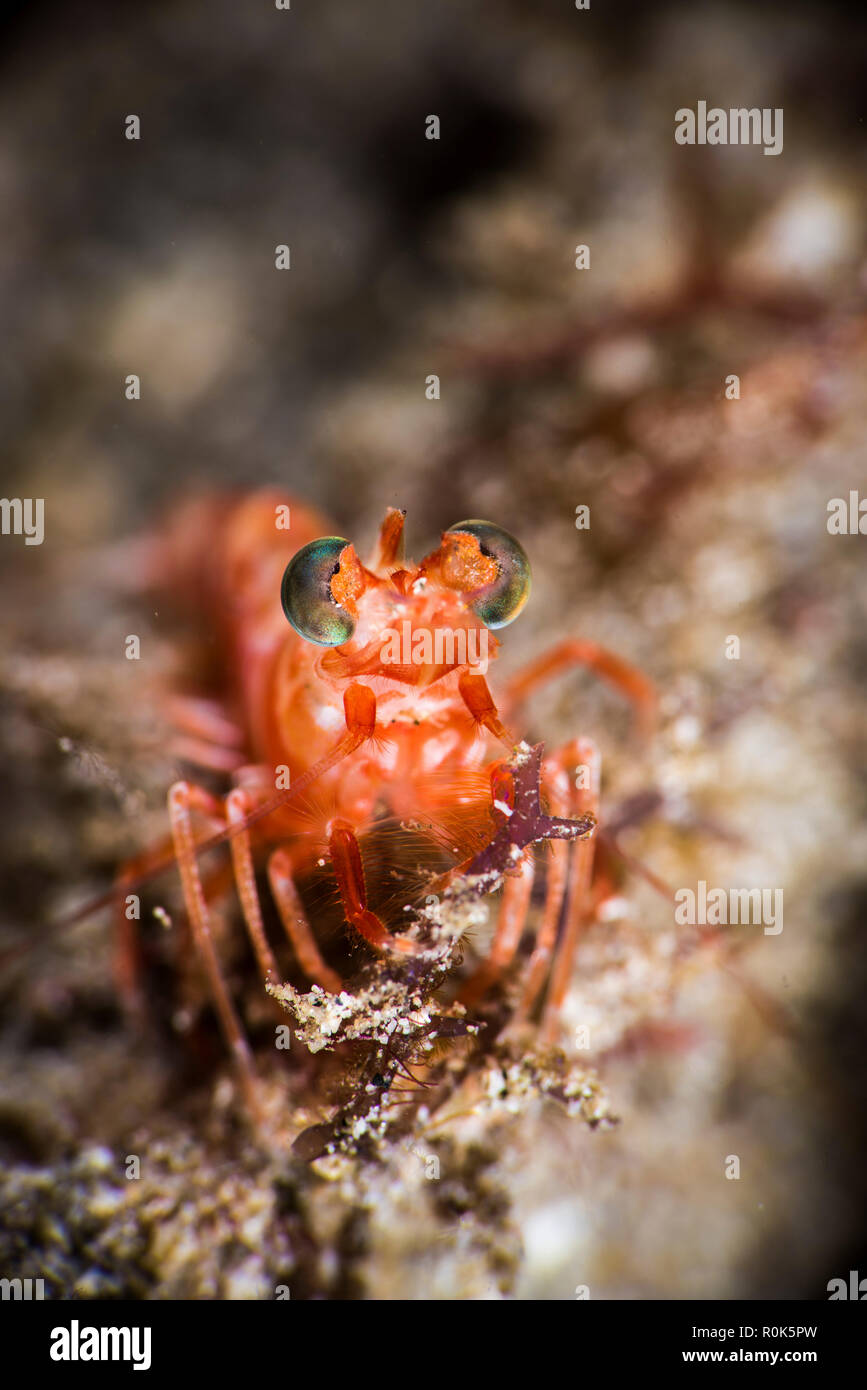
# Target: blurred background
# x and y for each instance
(558, 388)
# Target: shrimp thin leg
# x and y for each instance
(574, 652)
(583, 754)
(295, 923)
(555, 781)
(507, 937)
(184, 799)
(239, 803)
(204, 735)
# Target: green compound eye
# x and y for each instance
(499, 603)
(306, 593)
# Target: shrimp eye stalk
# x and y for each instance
(307, 597)
(504, 573)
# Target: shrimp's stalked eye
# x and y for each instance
(497, 601)
(307, 596)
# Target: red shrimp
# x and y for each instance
(364, 693)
